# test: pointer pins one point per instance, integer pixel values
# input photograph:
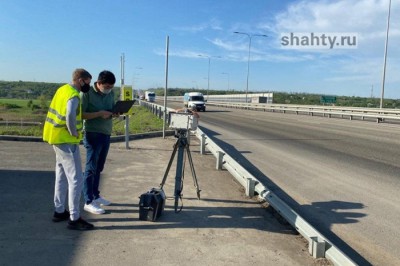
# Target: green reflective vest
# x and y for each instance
(55, 127)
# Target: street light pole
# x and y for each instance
(208, 76)
(248, 58)
(166, 83)
(209, 63)
(134, 82)
(385, 56)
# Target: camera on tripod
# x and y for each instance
(183, 121)
(151, 203)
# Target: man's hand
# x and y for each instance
(105, 114)
(117, 114)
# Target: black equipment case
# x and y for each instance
(151, 204)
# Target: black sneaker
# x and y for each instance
(79, 224)
(59, 217)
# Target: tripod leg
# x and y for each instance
(178, 177)
(169, 164)
(196, 184)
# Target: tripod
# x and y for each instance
(181, 146)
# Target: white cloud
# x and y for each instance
(368, 18)
(333, 16)
(213, 24)
(179, 53)
(229, 46)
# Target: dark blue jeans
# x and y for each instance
(97, 146)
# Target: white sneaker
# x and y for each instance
(102, 201)
(93, 208)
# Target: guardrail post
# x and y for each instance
(203, 144)
(220, 156)
(316, 248)
(250, 186)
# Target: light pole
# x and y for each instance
(134, 80)
(384, 61)
(248, 58)
(224, 73)
(209, 63)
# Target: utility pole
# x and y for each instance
(123, 96)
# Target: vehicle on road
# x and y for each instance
(150, 96)
(194, 100)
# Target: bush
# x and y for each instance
(35, 107)
(9, 106)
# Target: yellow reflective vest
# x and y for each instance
(55, 127)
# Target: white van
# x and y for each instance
(194, 99)
(150, 96)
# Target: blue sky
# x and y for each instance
(46, 40)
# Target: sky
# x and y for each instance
(46, 40)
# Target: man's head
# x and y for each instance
(81, 79)
(105, 81)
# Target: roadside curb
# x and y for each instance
(113, 138)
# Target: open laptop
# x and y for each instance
(122, 107)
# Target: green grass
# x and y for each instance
(17, 110)
(35, 131)
(141, 121)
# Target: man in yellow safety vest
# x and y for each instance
(62, 129)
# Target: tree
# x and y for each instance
(43, 102)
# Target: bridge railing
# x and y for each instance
(371, 114)
(375, 114)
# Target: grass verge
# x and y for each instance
(15, 113)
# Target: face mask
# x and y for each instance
(105, 91)
(85, 88)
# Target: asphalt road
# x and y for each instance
(342, 176)
(224, 227)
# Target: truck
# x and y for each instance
(140, 94)
(194, 100)
(150, 96)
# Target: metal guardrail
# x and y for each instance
(375, 114)
(319, 246)
(156, 109)
(379, 115)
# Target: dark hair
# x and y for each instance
(106, 77)
(80, 73)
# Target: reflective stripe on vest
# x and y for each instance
(62, 118)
